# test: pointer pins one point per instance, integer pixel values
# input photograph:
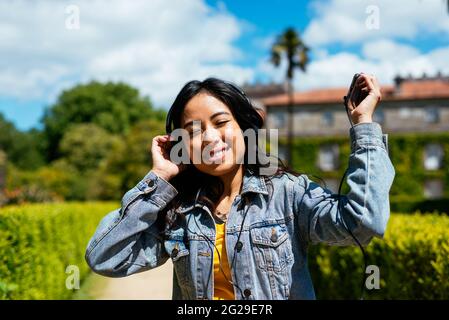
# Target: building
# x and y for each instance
(411, 105)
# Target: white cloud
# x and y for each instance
(386, 49)
(391, 59)
(345, 21)
(383, 51)
(156, 45)
(159, 45)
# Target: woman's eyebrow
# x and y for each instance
(189, 123)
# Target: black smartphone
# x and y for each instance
(355, 94)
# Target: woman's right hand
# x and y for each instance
(160, 152)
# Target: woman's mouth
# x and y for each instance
(218, 154)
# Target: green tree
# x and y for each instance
(24, 149)
(114, 107)
(128, 161)
(85, 145)
(290, 44)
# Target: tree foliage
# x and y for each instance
(115, 107)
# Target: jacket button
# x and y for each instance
(239, 246)
(174, 253)
(247, 293)
(150, 183)
(274, 236)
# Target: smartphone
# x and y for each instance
(355, 94)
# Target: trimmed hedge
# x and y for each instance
(38, 242)
(413, 260)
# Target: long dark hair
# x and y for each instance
(191, 179)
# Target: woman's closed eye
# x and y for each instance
(221, 123)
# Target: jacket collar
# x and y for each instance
(253, 183)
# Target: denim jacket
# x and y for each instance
(281, 219)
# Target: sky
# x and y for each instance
(158, 45)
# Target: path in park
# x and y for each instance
(149, 285)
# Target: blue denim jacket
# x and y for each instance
(282, 218)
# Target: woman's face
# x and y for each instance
(216, 145)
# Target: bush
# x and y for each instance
(25, 194)
(56, 182)
(413, 262)
(39, 241)
(413, 204)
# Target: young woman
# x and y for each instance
(231, 231)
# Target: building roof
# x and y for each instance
(258, 90)
(406, 89)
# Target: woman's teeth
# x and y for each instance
(217, 154)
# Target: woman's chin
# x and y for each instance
(217, 169)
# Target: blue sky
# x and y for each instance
(158, 45)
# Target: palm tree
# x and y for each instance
(290, 44)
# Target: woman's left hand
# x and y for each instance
(364, 111)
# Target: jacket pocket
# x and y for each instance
(272, 247)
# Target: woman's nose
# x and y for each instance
(211, 135)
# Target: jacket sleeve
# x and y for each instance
(365, 209)
(127, 240)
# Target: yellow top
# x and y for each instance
(223, 290)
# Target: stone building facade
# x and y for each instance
(411, 105)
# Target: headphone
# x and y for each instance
(238, 245)
(346, 99)
(255, 123)
(237, 248)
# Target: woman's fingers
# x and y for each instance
(369, 83)
(161, 140)
(377, 85)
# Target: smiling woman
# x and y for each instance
(232, 231)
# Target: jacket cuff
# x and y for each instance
(162, 192)
(368, 134)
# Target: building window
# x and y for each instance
(328, 118)
(379, 116)
(279, 119)
(433, 189)
(328, 157)
(432, 115)
(404, 113)
(433, 156)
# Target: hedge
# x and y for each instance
(413, 259)
(39, 241)
(412, 204)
